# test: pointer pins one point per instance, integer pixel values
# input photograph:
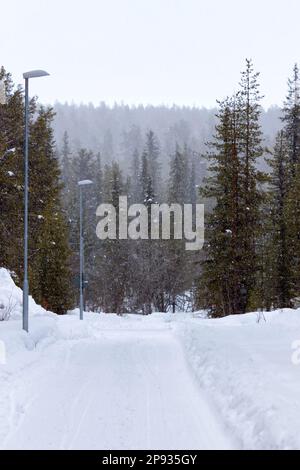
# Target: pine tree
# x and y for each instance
(108, 147)
(131, 143)
(11, 175)
(292, 222)
(279, 274)
(291, 119)
(179, 271)
(145, 254)
(152, 153)
(179, 178)
(113, 264)
(49, 251)
(98, 179)
(192, 181)
(136, 192)
(220, 283)
(48, 248)
(55, 290)
(229, 278)
(66, 155)
(250, 150)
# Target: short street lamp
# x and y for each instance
(81, 185)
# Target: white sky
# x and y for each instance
(149, 51)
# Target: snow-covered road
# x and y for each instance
(123, 389)
(159, 381)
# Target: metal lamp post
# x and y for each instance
(2, 92)
(27, 76)
(81, 184)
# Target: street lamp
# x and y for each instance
(81, 184)
(2, 92)
(27, 76)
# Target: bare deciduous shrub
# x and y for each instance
(7, 310)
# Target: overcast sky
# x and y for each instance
(149, 51)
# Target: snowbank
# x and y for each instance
(248, 370)
(11, 298)
(251, 372)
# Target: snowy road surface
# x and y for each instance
(160, 381)
(125, 389)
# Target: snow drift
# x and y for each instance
(246, 373)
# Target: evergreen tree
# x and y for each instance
(192, 186)
(53, 273)
(152, 154)
(279, 275)
(145, 256)
(250, 150)
(113, 263)
(291, 130)
(98, 179)
(179, 178)
(179, 268)
(11, 175)
(291, 271)
(136, 193)
(131, 143)
(291, 119)
(108, 147)
(48, 242)
(49, 272)
(229, 278)
(220, 282)
(66, 161)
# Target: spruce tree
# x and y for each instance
(48, 247)
(292, 223)
(136, 192)
(113, 264)
(48, 242)
(279, 274)
(291, 130)
(220, 284)
(234, 226)
(11, 175)
(146, 255)
(291, 119)
(152, 153)
(250, 150)
(179, 268)
(192, 186)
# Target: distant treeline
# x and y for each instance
(117, 131)
(241, 161)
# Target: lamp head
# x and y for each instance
(85, 182)
(35, 74)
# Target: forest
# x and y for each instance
(239, 160)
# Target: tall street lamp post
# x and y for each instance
(81, 184)
(27, 76)
(2, 92)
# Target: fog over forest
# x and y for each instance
(117, 131)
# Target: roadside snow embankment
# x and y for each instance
(44, 326)
(251, 372)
